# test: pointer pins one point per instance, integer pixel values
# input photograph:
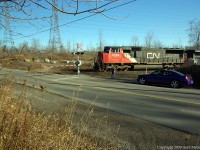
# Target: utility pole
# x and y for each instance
(198, 41)
(8, 39)
(55, 43)
(194, 33)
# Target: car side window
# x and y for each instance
(158, 72)
(170, 73)
(165, 73)
(155, 72)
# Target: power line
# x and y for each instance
(126, 3)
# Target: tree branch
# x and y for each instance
(83, 11)
(107, 16)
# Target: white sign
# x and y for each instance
(153, 55)
(79, 47)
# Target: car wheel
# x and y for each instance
(174, 84)
(142, 81)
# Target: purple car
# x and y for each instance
(172, 78)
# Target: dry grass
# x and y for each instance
(17, 60)
(22, 127)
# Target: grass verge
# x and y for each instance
(22, 127)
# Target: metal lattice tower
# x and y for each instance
(8, 39)
(55, 43)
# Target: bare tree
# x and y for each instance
(25, 10)
(68, 46)
(101, 43)
(1, 43)
(90, 47)
(71, 7)
(157, 44)
(24, 47)
(135, 41)
(194, 33)
(149, 39)
(35, 45)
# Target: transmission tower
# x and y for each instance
(8, 39)
(55, 43)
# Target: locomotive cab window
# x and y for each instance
(189, 55)
(106, 49)
(197, 54)
(115, 50)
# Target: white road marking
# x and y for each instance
(65, 78)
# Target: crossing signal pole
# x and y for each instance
(79, 52)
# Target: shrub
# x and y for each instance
(193, 70)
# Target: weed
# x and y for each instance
(22, 127)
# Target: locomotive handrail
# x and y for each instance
(160, 60)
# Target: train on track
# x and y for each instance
(127, 57)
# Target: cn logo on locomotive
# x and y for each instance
(153, 55)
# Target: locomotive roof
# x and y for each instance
(126, 47)
(131, 47)
(112, 47)
(175, 49)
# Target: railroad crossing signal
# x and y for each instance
(78, 63)
(78, 52)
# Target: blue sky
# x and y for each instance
(168, 20)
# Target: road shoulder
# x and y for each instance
(133, 133)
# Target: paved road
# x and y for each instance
(175, 108)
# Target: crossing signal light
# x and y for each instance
(77, 53)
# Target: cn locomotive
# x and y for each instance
(126, 57)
